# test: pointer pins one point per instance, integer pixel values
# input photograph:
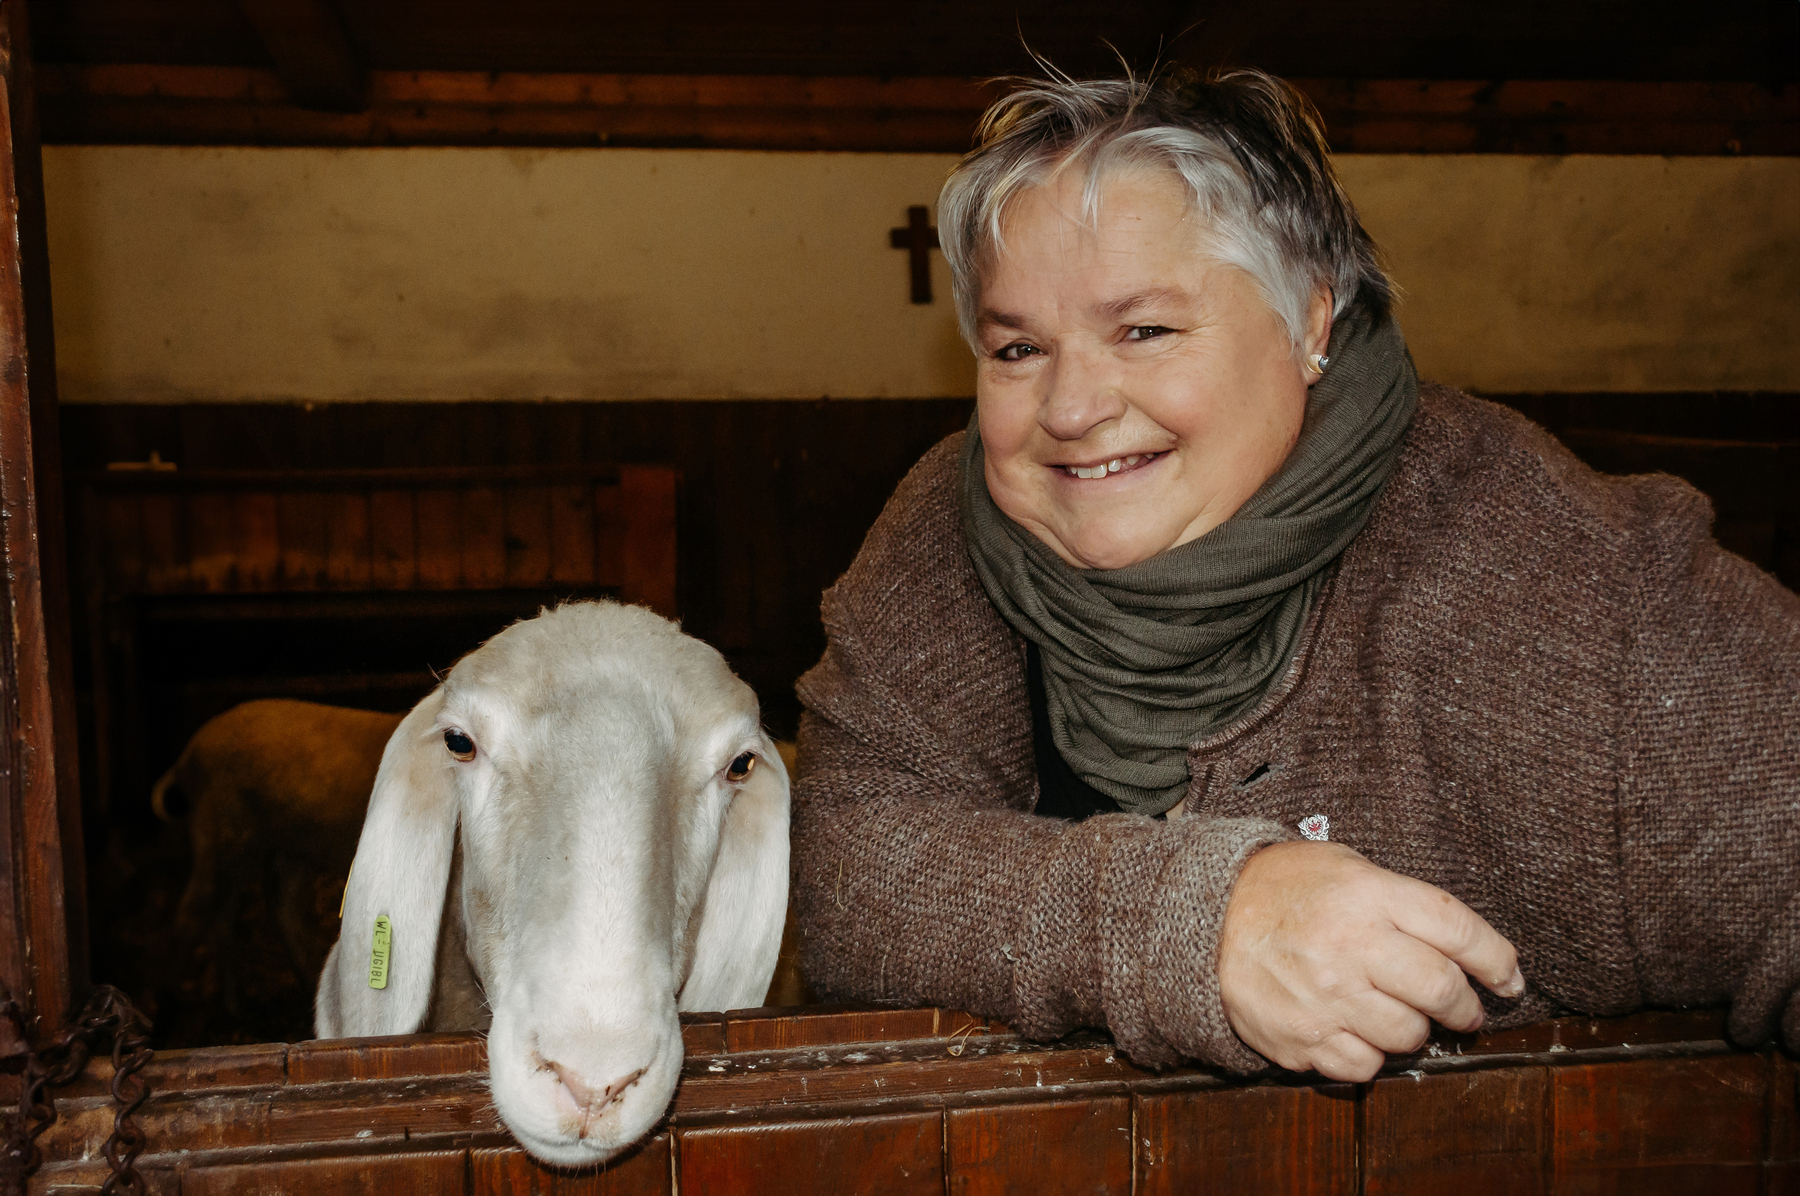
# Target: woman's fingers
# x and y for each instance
(1386, 1024)
(1439, 920)
(1425, 980)
(1346, 1057)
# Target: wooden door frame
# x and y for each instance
(43, 923)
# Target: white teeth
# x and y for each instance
(1089, 472)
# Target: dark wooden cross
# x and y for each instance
(919, 239)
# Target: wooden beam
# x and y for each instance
(313, 55)
(241, 106)
(42, 888)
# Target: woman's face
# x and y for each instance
(1132, 390)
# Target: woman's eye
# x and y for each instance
(1147, 332)
(460, 745)
(740, 768)
(1016, 352)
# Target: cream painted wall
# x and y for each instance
(300, 274)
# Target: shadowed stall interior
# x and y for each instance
(381, 325)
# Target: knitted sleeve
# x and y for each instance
(919, 873)
(914, 895)
(1709, 796)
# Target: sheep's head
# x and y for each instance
(624, 835)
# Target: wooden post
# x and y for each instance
(42, 889)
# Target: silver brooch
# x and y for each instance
(1316, 827)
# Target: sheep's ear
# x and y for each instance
(745, 908)
(402, 865)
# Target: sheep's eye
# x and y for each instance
(460, 745)
(740, 767)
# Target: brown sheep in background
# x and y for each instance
(276, 789)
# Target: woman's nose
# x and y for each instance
(1084, 392)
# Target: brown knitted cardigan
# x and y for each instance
(1545, 690)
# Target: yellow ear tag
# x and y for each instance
(378, 953)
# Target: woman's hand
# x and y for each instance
(1328, 963)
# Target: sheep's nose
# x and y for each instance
(589, 1102)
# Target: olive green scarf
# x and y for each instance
(1142, 661)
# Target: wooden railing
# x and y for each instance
(842, 1099)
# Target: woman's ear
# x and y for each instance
(1317, 341)
(745, 906)
(402, 865)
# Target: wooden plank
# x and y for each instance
(259, 541)
(572, 535)
(1784, 1108)
(483, 537)
(1057, 1147)
(348, 544)
(857, 1076)
(1473, 1134)
(384, 1115)
(1659, 1125)
(1270, 1138)
(397, 550)
(312, 53)
(703, 1034)
(440, 533)
(121, 547)
(424, 1174)
(212, 542)
(165, 547)
(819, 1025)
(641, 1171)
(304, 539)
(528, 540)
(42, 888)
(609, 543)
(247, 106)
(190, 1070)
(172, 1122)
(387, 1058)
(90, 1176)
(901, 1155)
(648, 548)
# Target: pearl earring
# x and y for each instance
(1316, 362)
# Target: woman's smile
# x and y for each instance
(1110, 467)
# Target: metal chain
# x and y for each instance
(109, 1014)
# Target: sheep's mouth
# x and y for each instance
(1110, 466)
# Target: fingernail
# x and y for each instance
(1515, 984)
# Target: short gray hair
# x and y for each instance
(1248, 146)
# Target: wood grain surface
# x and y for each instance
(1650, 1103)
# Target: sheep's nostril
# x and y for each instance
(617, 1088)
(588, 1103)
(583, 1096)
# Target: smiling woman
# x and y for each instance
(1129, 356)
(1341, 690)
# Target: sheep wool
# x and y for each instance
(1542, 689)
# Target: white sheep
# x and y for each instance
(589, 807)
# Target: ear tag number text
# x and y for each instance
(378, 953)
